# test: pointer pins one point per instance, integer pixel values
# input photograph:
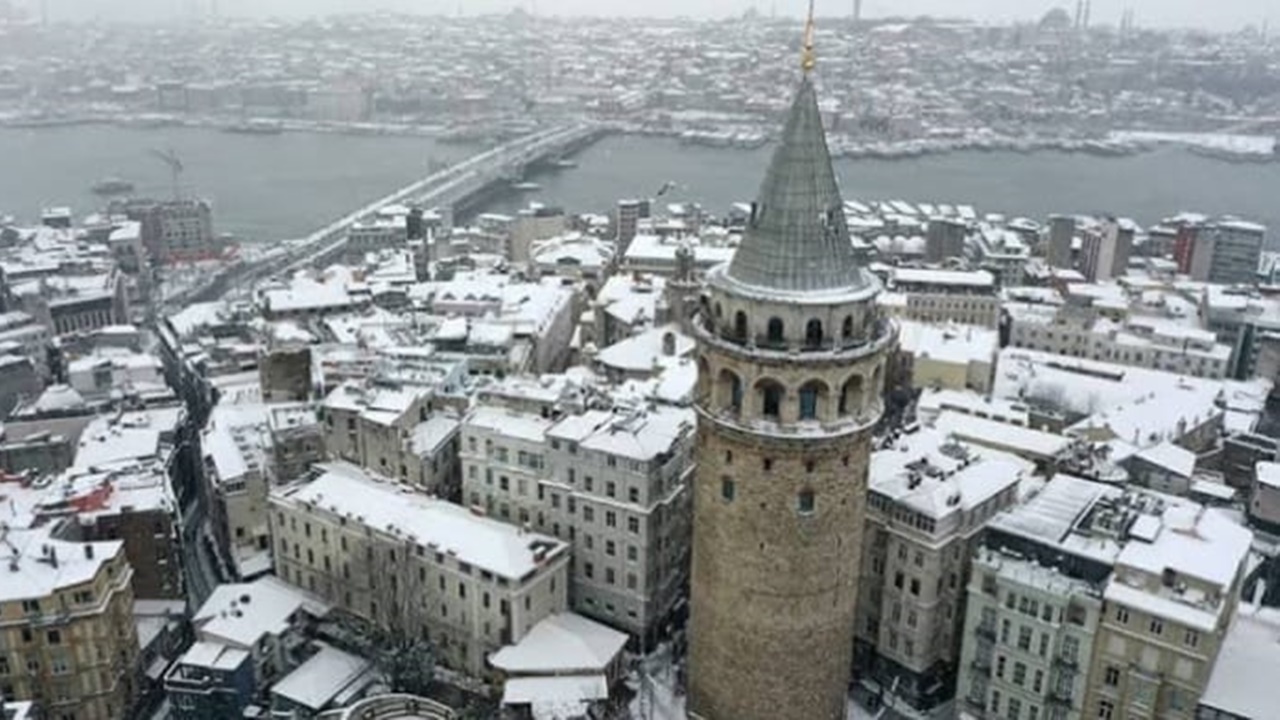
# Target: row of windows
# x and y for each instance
(1155, 626)
(806, 499)
(775, 330)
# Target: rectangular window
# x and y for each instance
(1191, 638)
(1024, 638)
(610, 518)
(726, 489)
(1157, 626)
(1019, 674)
(1122, 615)
(633, 525)
(1111, 676)
(1105, 709)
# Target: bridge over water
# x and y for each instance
(442, 191)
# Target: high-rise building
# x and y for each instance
(1226, 252)
(792, 349)
(1062, 230)
(1105, 251)
(944, 239)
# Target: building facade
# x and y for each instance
(67, 636)
(414, 564)
(791, 356)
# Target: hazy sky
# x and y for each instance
(1219, 14)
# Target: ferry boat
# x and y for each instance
(526, 186)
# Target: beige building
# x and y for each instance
(415, 564)
(945, 356)
(1151, 580)
(928, 501)
(791, 364)
(371, 425)
(67, 635)
(613, 483)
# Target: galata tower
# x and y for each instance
(791, 353)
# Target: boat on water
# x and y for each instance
(109, 186)
(526, 186)
(563, 164)
(256, 127)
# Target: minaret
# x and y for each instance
(791, 353)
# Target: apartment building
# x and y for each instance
(67, 636)
(940, 296)
(370, 425)
(1140, 587)
(613, 483)
(928, 500)
(1138, 341)
(411, 563)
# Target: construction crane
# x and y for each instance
(170, 158)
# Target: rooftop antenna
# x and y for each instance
(808, 60)
(170, 158)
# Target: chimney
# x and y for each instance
(88, 551)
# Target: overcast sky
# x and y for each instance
(1218, 14)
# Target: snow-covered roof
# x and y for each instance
(1268, 474)
(1175, 459)
(564, 696)
(935, 476)
(324, 676)
(951, 343)
(507, 422)
(214, 656)
(240, 614)
(34, 575)
(385, 507)
(1241, 681)
(639, 434)
(991, 433)
(559, 644)
(643, 352)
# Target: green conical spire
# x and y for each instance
(797, 240)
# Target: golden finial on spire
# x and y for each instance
(808, 59)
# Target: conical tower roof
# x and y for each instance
(797, 240)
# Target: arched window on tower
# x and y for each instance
(812, 396)
(813, 334)
(851, 396)
(847, 330)
(775, 332)
(740, 327)
(770, 399)
(731, 391)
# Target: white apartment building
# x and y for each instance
(1138, 341)
(928, 500)
(614, 483)
(1140, 589)
(415, 564)
(939, 296)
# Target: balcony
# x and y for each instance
(986, 631)
(981, 664)
(1066, 664)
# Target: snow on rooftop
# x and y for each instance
(510, 423)
(1175, 459)
(1052, 513)
(240, 614)
(324, 676)
(638, 434)
(958, 278)
(1203, 543)
(952, 343)
(935, 476)
(991, 433)
(1268, 473)
(37, 576)
(213, 656)
(559, 644)
(645, 351)
(385, 507)
(564, 696)
(1242, 682)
